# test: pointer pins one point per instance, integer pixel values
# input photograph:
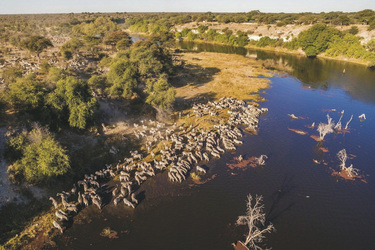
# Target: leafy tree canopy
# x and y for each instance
(316, 39)
(101, 27)
(161, 94)
(26, 93)
(152, 60)
(116, 36)
(36, 44)
(39, 157)
(72, 98)
(123, 77)
(70, 48)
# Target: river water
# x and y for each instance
(309, 207)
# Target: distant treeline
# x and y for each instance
(164, 21)
(321, 38)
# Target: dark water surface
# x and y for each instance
(310, 208)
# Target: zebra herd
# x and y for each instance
(183, 148)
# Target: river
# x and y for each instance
(309, 206)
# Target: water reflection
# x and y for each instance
(358, 81)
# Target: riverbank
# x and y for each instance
(287, 51)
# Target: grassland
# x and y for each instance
(215, 75)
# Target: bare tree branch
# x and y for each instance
(255, 220)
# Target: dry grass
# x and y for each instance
(210, 76)
(39, 230)
(215, 75)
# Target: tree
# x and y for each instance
(113, 38)
(191, 36)
(161, 94)
(40, 157)
(350, 171)
(123, 44)
(202, 29)
(36, 44)
(353, 30)
(122, 77)
(70, 48)
(325, 129)
(316, 39)
(370, 46)
(98, 83)
(151, 59)
(26, 93)
(343, 20)
(72, 100)
(255, 219)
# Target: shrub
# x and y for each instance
(311, 51)
(40, 157)
(353, 30)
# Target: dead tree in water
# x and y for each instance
(349, 170)
(347, 124)
(255, 220)
(324, 129)
(261, 160)
(338, 124)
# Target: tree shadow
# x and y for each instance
(277, 209)
(192, 74)
(182, 103)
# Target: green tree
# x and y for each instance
(123, 78)
(124, 44)
(26, 93)
(113, 38)
(36, 44)
(151, 59)
(185, 32)
(191, 36)
(161, 94)
(353, 30)
(40, 157)
(72, 100)
(54, 75)
(343, 20)
(70, 48)
(316, 39)
(202, 29)
(370, 46)
(98, 83)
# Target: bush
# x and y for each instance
(26, 93)
(72, 100)
(316, 39)
(40, 157)
(353, 30)
(161, 94)
(311, 51)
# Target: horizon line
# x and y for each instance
(182, 12)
